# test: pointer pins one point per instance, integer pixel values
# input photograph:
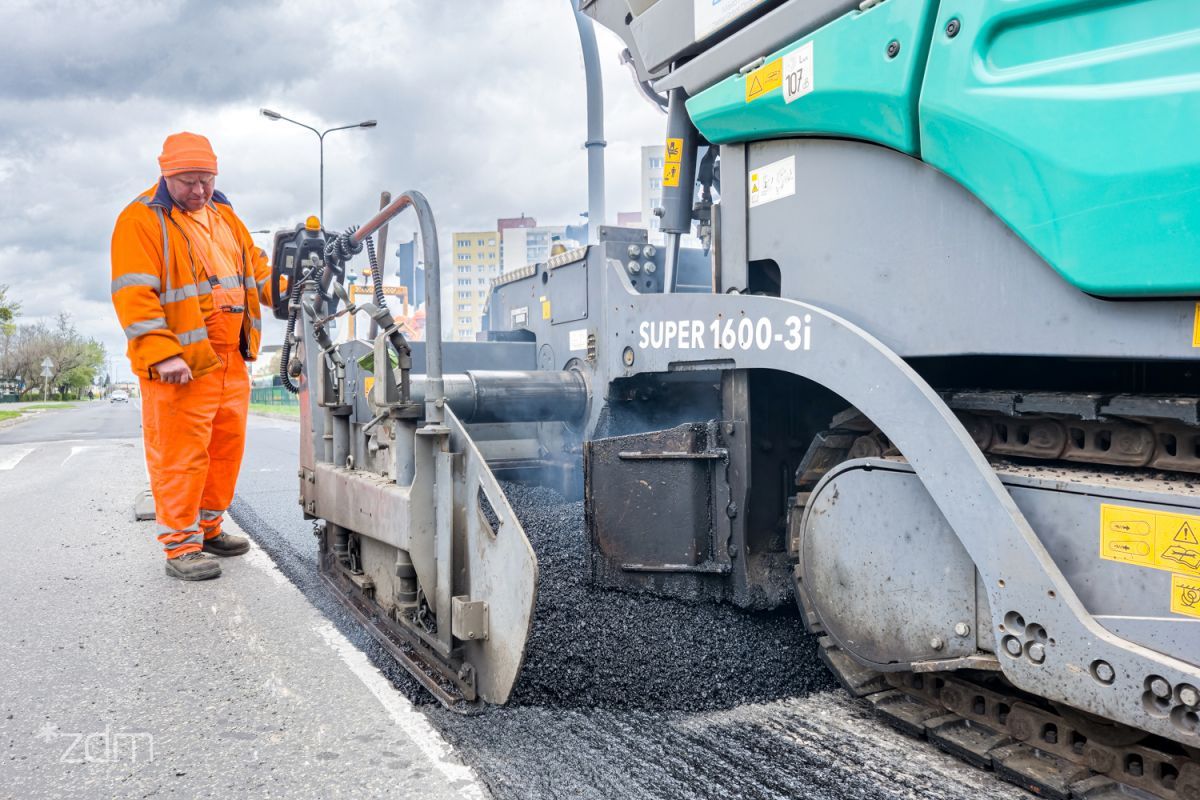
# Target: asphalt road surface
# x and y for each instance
(80, 423)
(258, 683)
(118, 681)
(819, 744)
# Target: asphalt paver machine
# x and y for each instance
(932, 374)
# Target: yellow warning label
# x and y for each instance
(1149, 538)
(670, 174)
(368, 383)
(1185, 595)
(545, 308)
(1196, 328)
(764, 79)
(673, 152)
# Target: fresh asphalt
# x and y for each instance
(816, 744)
(118, 681)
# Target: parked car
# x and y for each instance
(119, 396)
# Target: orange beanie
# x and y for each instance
(187, 152)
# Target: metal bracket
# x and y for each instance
(982, 661)
(469, 619)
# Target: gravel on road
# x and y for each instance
(603, 648)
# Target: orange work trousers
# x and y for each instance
(195, 434)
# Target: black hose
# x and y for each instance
(342, 248)
(338, 252)
(285, 353)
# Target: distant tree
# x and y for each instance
(90, 361)
(76, 359)
(273, 364)
(9, 309)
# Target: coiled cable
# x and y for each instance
(376, 276)
(285, 354)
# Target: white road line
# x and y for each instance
(413, 723)
(257, 557)
(11, 455)
(76, 450)
(408, 719)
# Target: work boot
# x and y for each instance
(195, 566)
(226, 544)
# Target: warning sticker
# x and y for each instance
(672, 156)
(1149, 538)
(1196, 328)
(670, 174)
(798, 72)
(773, 182)
(1185, 595)
(545, 306)
(762, 80)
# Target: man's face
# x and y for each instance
(191, 190)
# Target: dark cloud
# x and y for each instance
(199, 51)
(480, 106)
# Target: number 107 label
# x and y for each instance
(798, 72)
(725, 333)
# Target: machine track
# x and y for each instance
(975, 715)
(1126, 431)
(980, 719)
(454, 690)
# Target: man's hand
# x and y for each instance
(173, 370)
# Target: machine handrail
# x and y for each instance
(433, 290)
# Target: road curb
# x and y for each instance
(276, 415)
(24, 417)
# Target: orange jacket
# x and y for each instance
(160, 292)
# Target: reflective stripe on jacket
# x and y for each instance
(159, 290)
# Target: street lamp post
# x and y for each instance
(275, 115)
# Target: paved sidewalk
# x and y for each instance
(117, 681)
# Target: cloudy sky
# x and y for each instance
(480, 105)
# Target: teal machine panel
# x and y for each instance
(1078, 123)
(859, 89)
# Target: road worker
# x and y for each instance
(188, 284)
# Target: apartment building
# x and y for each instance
(476, 261)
